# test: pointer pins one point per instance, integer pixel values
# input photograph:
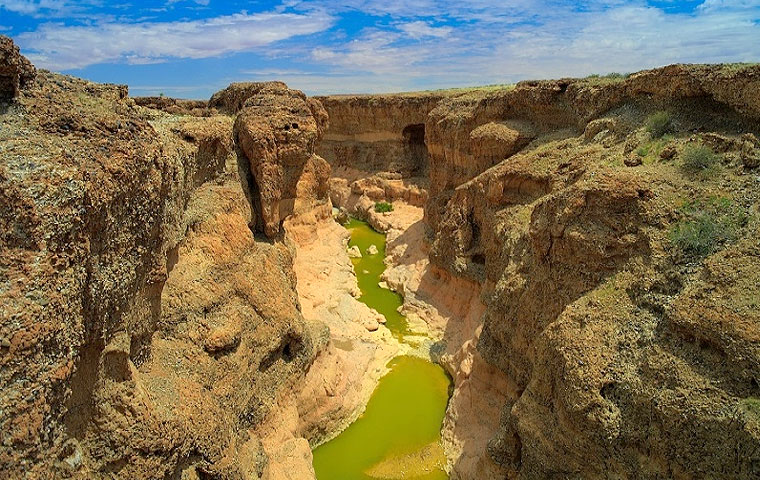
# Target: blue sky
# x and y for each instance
(191, 48)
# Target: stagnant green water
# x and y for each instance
(368, 270)
(398, 435)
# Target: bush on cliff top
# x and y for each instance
(698, 158)
(382, 207)
(659, 124)
(706, 226)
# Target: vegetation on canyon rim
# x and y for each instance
(153, 327)
(698, 158)
(659, 124)
(706, 225)
(383, 207)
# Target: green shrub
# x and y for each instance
(706, 226)
(651, 150)
(751, 405)
(382, 207)
(659, 124)
(696, 158)
(610, 77)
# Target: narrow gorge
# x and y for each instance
(553, 279)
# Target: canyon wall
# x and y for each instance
(629, 336)
(144, 331)
(378, 133)
(593, 295)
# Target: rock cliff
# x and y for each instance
(144, 331)
(277, 131)
(587, 264)
(382, 133)
(616, 275)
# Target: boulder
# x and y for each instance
(669, 152)
(633, 160)
(16, 72)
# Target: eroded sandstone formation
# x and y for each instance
(378, 133)
(277, 130)
(144, 332)
(626, 354)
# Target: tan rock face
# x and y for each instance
(144, 332)
(585, 308)
(277, 131)
(622, 356)
(16, 72)
(568, 105)
(382, 133)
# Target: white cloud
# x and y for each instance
(565, 41)
(199, 2)
(716, 5)
(413, 44)
(30, 7)
(485, 10)
(376, 52)
(421, 29)
(63, 47)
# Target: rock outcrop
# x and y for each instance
(277, 130)
(16, 72)
(625, 353)
(144, 332)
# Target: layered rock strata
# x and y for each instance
(383, 133)
(144, 331)
(625, 350)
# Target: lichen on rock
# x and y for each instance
(16, 72)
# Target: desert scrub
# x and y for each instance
(382, 207)
(751, 406)
(608, 78)
(706, 225)
(659, 124)
(650, 151)
(698, 158)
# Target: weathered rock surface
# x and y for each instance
(569, 247)
(144, 332)
(277, 130)
(16, 72)
(378, 133)
(622, 356)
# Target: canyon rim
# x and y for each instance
(178, 297)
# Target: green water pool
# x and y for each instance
(368, 270)
(399, 434)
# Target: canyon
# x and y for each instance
(178, 300)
